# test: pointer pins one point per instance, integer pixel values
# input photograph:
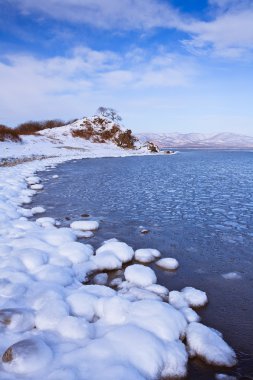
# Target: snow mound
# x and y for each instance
(85, 225)
(121, 250)
(140, 275)
(194, 297)
(209, 345)
(146, 255)
(27, 356)
(168, 263)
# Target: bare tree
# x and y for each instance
(109, 113)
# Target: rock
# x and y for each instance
(17, 320)
(27, 356)
(144, 231)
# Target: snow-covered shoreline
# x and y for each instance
(63, 329)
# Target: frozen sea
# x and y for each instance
(198, 208)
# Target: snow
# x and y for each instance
(37, 210)
(25, 354)
(37, 187)
(140, 275)
(194, 297)
(85, 225)
(54, 323)
(168, 263)
(121, 250)
(209, 345)
(146, 255)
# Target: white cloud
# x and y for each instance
(122, 14)
(229, 34)
(52, 87)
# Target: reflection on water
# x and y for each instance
(198, 206)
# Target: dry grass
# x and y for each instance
(10, 134)
(33, 127)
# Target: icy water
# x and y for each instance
(198, 206)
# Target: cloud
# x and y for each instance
(51, 87)
(107, 14)
(229, 34)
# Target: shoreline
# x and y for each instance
(50, 239)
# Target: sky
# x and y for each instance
(164, 65)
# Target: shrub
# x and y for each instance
(86, 133)
(7, 133)
(33, 127)
(126, 139)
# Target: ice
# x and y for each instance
(146, 255)
(209, 345)
(232, 276)
(168, 263)
(121, 250)
(194, 297)
(85, 225)
(27, 356)
(140, 275)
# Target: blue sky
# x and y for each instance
(166, 66)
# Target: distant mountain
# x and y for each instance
(198, 140)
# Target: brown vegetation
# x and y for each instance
(7, 133)
(33, 127)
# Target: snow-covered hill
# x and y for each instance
(87, 137)
(198, 140)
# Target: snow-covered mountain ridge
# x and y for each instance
(198, 140)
